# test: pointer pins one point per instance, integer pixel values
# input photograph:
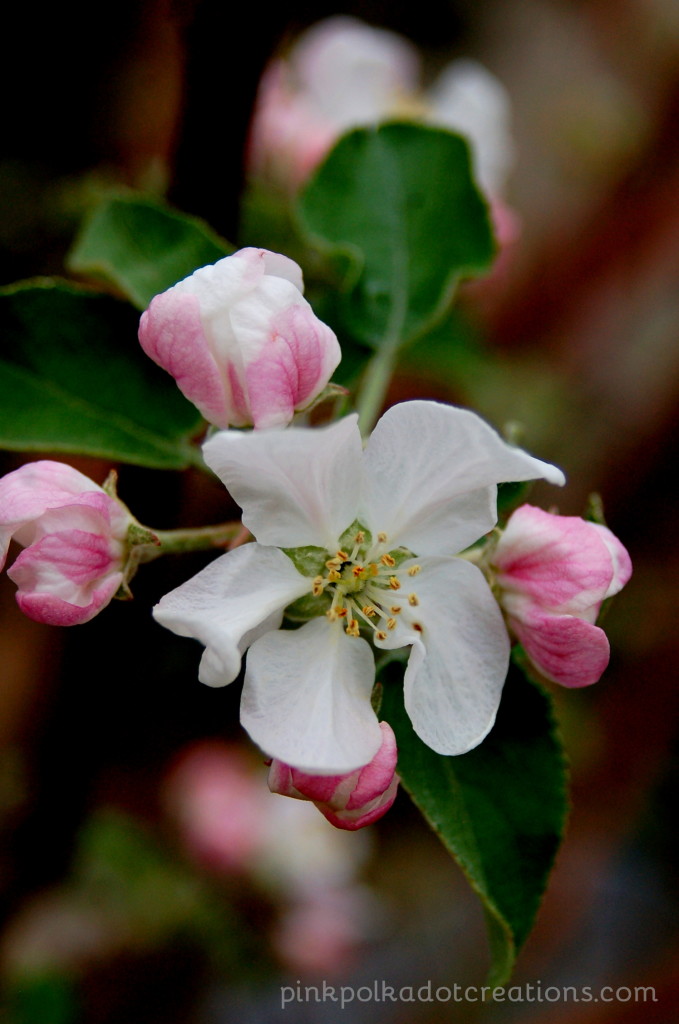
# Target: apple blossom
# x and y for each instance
(551, 575)
(342, 73)
(74, 539)
(350, 801)
(356, 541)
(241, 340)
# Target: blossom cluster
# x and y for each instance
(359, 548)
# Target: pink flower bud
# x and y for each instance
(349, 801)
(553, 573)
(241, 341)
(73, 535)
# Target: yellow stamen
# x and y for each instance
(395, 609)
(372, 569)
(358, 571)
(414, 569)
(317, 586)
(369, 611)
(360, 537)
(394, 583)
(388, 560)
(391, 623)
(413, 600)
(342, 555)
(352, 627)
(380, 635)
(334, 576)
(382, 538)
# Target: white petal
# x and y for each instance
(295, 486)
(459, 659)
(229, 599)
(306, 698)
(431, 471)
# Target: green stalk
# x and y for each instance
(374, 387)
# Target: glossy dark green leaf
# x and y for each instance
(73, 378)
(398, 205)
(500, 809)
(141, 247)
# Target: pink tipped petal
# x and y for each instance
(359, 817)
(171, 333)
(292, 368)
(65, 565)
(377, 777)
(565, 649)
(278, 265)
(54, 611)
(561, 562)
(620, 560)
(27, 492)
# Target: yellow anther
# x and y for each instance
(352, 627)
(372, 569)
(369, 611)
(394, 583)
(333, 563)
(334, 576)
(395, 609)
(342, 555)
(317, 586)
(382, 538)
(413, 600)
(331, 615)
(360, 537)
(414, 569)
(391, 623)
(358, 571)
(380, 635)
(342, 613)
(417, 627)
(388, 560)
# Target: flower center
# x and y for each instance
(365, 587)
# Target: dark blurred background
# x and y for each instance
(582, 332)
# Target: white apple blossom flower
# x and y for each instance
(367, 538)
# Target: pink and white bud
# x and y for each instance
(552, 574)
(73, 535)
(349, 801)
(241, 341)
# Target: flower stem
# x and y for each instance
(374, 387)
(177, 542)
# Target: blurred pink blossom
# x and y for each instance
(343, 73)
(214, 797)
(552, 574)
(73, 534)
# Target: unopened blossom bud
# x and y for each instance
(241, 340)
(552, 574)
(73, 534)
(349, 801)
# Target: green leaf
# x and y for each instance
(500, 809)
(141, 247)
(73, 378)
(398, 205)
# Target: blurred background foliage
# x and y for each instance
(119, 907)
